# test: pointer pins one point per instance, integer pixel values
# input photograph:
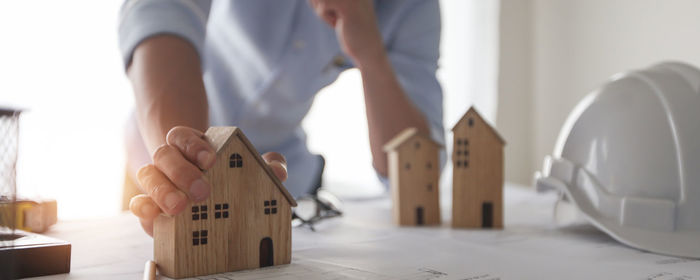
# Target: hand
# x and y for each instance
(175, 177)
(355, 25)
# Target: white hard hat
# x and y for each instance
(628, 157)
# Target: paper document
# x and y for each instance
(364, 244)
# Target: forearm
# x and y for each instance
(166, 77)
(389, 110)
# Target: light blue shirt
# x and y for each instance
(265, 60)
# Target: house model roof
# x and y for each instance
(473, 110)
(404, 136)
(220, 136)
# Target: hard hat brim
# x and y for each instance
(678, 243)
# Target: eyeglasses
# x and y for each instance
(314, 208)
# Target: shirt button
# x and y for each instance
(339, 60)
(299, 44)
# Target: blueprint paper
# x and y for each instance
(364, 244)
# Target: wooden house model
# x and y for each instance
(245, 223)
(414, 173)
(477, 185)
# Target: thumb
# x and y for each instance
(277, 163)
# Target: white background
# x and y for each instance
(553, 53)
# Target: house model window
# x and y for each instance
(221, 211)
(270, 207)
(199, 212)
(462, 152)
(235, 161)
(199, 237)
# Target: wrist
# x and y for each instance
(373, 61)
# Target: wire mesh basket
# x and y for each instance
(9, 138)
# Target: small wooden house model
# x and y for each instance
(477, 185)
(414, 173)
(245, 223)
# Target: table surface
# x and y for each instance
(364, 244)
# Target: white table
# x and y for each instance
(364, 244)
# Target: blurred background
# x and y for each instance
(523, 63)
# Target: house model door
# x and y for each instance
(419, 216)
(267, 255)
(487, 215)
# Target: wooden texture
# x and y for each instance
(477, 160)
(232, 243)
(414, 176)
(149, 270)
(29, 215)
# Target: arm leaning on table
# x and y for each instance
(398, 76)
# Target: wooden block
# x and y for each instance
(25, 254)
(414, 173)
(149, 270)
(28, 215)
(245, 223)
(477, 183)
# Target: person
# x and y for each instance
(257, 65)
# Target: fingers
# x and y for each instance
(181, 172)
(147, 226)
(174, 176)
(277, 163)
(161, 190)
(192, 145)
(143, 207)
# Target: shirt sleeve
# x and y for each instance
(413, 49)
(141, 19)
